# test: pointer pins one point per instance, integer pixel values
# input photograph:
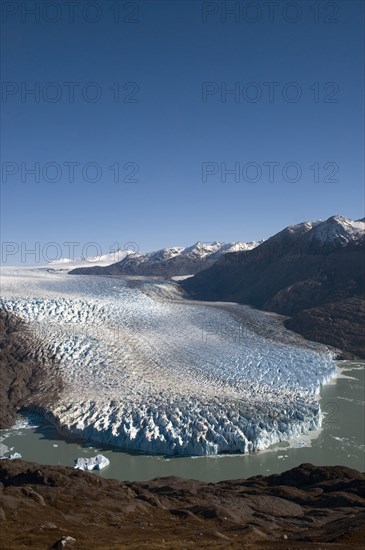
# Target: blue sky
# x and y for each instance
(160, 54)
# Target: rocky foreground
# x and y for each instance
(56, 507)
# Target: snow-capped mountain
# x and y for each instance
(295, 253)
(338, 231)
(170, 262)
(315, 266)
(335, 231)
(104, 260)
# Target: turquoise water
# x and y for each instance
(340, 441)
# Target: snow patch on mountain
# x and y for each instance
(199, 250)
(338, 230)
(179, 261)
(102, 260)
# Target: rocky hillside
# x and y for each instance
(26, 372)
(339, 324)
(299, 272)
(58, 507)
(168, 262)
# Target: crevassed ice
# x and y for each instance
(167, 376)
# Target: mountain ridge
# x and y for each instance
(168, 262)
(303, 267)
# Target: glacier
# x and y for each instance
(145, 369)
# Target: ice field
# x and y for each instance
(144, 369)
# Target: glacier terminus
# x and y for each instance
(145, 369)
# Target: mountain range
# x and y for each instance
(312, 272)
(168, 262)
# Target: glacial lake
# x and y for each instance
(340, 441)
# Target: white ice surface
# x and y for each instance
(15, 455)
(4, 450)
(144, 372)
(97, 462)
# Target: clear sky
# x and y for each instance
(145, 89)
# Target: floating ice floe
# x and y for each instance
(15, 455)
(4, 450)
(97, 462)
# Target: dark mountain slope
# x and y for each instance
(303, 267)
(339, 324)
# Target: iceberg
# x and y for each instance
(97, 462)
(4, 449)
(15, 455)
